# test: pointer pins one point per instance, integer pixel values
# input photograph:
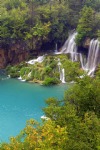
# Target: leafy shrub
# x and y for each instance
(50, 81)
(48, 70)
(14, 74)
(13, 71)
(22, 71)
(53, 64)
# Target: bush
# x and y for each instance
(48, 70)
(50, 81)
(13, 71)
(14, 74)
(22, 71)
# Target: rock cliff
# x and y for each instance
(13, 53)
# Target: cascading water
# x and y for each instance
(39, 60)
(93, 57)
(32, 62)
(70, 47)
(62, 75)
(82, 61)
(62, 72)
(56, 49)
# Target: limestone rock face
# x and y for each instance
(13, 54)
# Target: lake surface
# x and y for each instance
(21, 101)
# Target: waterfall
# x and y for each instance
(62, 75)
(56, 49)
(29, 75)
(82, 61)
(20, 78)
(70, 47)
(93, 57)
(62, 72)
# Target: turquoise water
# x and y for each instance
(20, 101)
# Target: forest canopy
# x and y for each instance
(38, 22)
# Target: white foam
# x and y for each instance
(44, 117)
(39, 60)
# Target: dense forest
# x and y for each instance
(39, 23)
(72, 123)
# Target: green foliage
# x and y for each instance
(78, 113)
(47, 71)
(50, 81)
(39, 22)
(13, 71)
(85, 25)
(49, 136)
(13, 21)
(98, 72)
(93, 4)
(98, 34)
(85, 95)
(77, 134)
(72, 69)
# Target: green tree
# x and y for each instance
(49, 136)
(86, 25)
(85, 95)
(95, 4)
